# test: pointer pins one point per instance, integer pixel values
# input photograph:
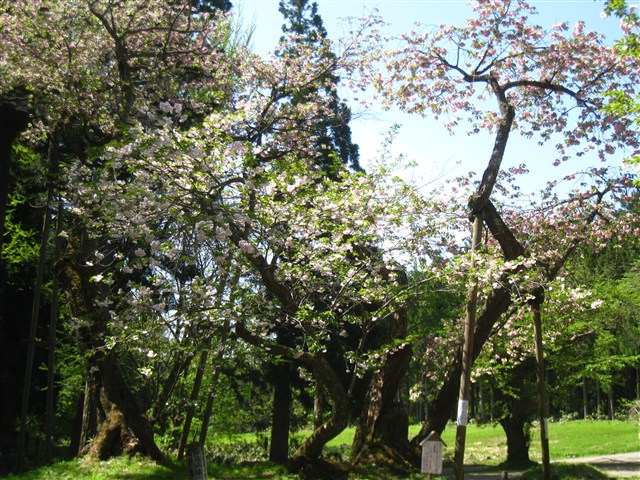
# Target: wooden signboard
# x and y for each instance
(432, 454)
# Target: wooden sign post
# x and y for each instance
(432, 454)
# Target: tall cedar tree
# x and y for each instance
(334, 134)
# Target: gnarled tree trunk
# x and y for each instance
(383, 430)
(306, 459)
(82, 295)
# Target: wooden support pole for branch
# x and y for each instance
(467, 357)
(542, 392)
(35, 306)
(53, 327)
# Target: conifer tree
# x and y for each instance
(304, 24)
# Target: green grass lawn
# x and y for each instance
(486, 445)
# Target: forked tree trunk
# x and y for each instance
(118, 392)
(326, 377)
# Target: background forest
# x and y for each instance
(191, 247)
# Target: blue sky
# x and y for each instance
(426, 141)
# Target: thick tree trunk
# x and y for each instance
(383, 430)
(82, 294)
(113, 436)
(515, 427)
(516, 407)
(281, 413)
(119, 393)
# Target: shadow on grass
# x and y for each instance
(567, 472)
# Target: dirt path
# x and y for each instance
(622, 465)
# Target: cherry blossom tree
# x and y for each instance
(304, 246)
(188, 162)
(546, 85)
(551, 227)
(85, 69)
